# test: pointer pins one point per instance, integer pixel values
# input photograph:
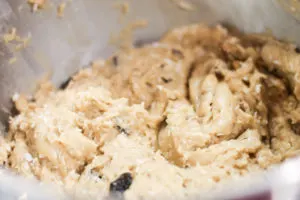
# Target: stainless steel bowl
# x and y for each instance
(63, 46)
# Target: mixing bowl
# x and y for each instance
(60, 46)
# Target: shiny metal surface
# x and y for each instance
(62, 46)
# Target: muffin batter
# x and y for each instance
(200, 107)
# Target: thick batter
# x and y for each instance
(200, 107)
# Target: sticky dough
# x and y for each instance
(192, 111)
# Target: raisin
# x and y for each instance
(252, 155)
(166, 80)
(115, 60)
(297, 49)
(148, 84)
(121, 184)
(246, 82)
(295, 127)
(219, 75)
(65, 84)
(178, 53)
(122, 130)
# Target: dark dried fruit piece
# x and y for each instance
(178, 53)
(162, 66)
(121, 130)
(246, 82)
(148, 84)
(115, 60)
(121, 184)
(295, 127)
(219, 75)
(166, 80)
(65, 84)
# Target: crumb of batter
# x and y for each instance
(12, 60)
(5, 148)
(124, 39)
(184, 5)
(61, 9)
(123, 7)
(195, 110)
(16, 41)
(10, 36)
(36, 4)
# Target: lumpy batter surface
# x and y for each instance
(200, 107)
